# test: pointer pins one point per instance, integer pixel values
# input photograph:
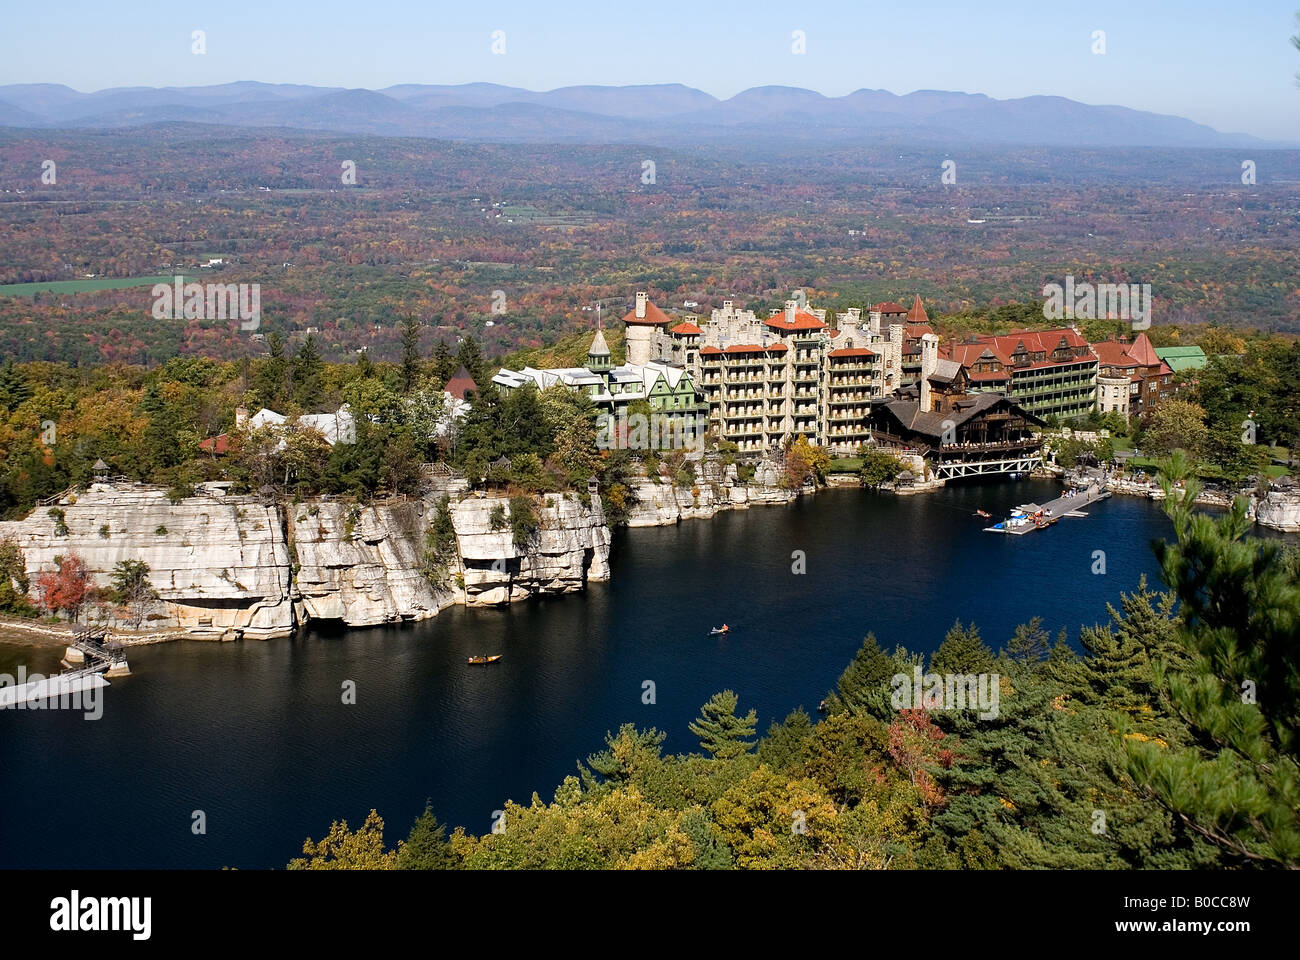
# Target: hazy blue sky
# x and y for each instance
(1227, 64)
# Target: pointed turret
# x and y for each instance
(917, 314)
(598, 360)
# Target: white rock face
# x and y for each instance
(363, 565)
(223, 568)
(570, 548)
(1279, 510)
(220, 564)
(717, 487)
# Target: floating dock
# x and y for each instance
(1029, 517)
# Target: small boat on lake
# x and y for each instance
(722, 629)
(492, 659)
(983, 513)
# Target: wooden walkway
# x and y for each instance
(1052, 511)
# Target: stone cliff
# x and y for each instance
(657, 502)
(220, 565)
(570, 547)
(235, 566)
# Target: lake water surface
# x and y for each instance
(255, 734)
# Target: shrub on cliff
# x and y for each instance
(524, 523)
(13, 581)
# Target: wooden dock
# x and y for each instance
(1045, 515)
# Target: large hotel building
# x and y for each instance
(797, 371)
(760, 382)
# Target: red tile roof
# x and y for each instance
(915, 331)
(1143, 352)
(1004, 346)
(803, 320)
(1113, 353)
(888, 307)
(219, 444)
(653, 315)
(687, 329)
(1139, 353)
(852, 352)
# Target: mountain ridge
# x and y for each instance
(645, 113)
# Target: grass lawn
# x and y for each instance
(845, 465)
(81, 286)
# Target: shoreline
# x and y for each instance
(16, 631)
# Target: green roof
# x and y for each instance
(1182, 358)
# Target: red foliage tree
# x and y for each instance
(67, 588)
(915, 743)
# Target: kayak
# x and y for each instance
(492, 659)
(717, 630)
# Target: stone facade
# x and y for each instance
(767, 380)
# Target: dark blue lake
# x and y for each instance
(256, 736)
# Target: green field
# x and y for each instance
(81, 286)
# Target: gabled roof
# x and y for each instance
(1004, 346)
(686, 329)
(934, 424)
(1182, 358)
(915, 331)
(946, 371)
(889, 306)
(917, 314)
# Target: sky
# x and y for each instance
(1226, 64)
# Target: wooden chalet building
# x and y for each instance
(959, 433)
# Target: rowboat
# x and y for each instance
(492, 659)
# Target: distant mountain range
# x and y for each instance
(658, 113)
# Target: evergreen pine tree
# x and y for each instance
(307, 368)
(444, 364)
(865, 685)
(721, 732)
(962, 651)
(472, 358)
(1030, 642)
(1239, 784)
(411, 366)
(426, 847)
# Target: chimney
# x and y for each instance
(726, 306)
(791, 306)
(640, 306)
(929, 360)
(241, 417)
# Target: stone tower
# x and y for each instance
(640, 332)
(929, 361)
